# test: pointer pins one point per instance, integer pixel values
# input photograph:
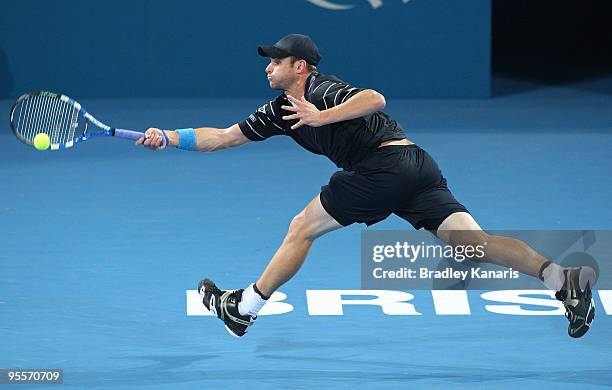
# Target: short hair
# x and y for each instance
(309, 67)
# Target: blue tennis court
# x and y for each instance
(101, 244)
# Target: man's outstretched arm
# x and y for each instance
(207, 139)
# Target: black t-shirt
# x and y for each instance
(345, 143)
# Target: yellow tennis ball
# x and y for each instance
(42, 141)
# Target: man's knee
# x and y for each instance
(299, 228)
(311, 223)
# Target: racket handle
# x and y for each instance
(129, 134)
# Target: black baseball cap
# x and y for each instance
(297, 45)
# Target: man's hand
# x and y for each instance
(305, 112)
(154, 139)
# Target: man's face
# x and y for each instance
(282, 74)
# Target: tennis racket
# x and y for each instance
(63, 119)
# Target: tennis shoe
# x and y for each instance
(224, 305)
(579, 308)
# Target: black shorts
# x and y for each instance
(400, 179)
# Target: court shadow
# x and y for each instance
(6, 76)
(376, 371)
(158, 370)
(309, 371)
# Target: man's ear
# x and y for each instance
(301, 66)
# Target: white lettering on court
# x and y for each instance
(518, 296)
(330, 302)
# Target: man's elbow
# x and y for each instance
(379, 100)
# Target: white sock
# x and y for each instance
(553, 276)
(251, 302)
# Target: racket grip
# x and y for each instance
(129, 134)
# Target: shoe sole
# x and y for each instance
(232, 333)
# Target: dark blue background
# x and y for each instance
(189, 48)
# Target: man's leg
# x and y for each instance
(305, 227)
(461, 229)
(238, 309)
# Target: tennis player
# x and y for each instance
(382, 173)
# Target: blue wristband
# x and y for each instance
(187, 139)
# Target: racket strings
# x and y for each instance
(47, 114)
